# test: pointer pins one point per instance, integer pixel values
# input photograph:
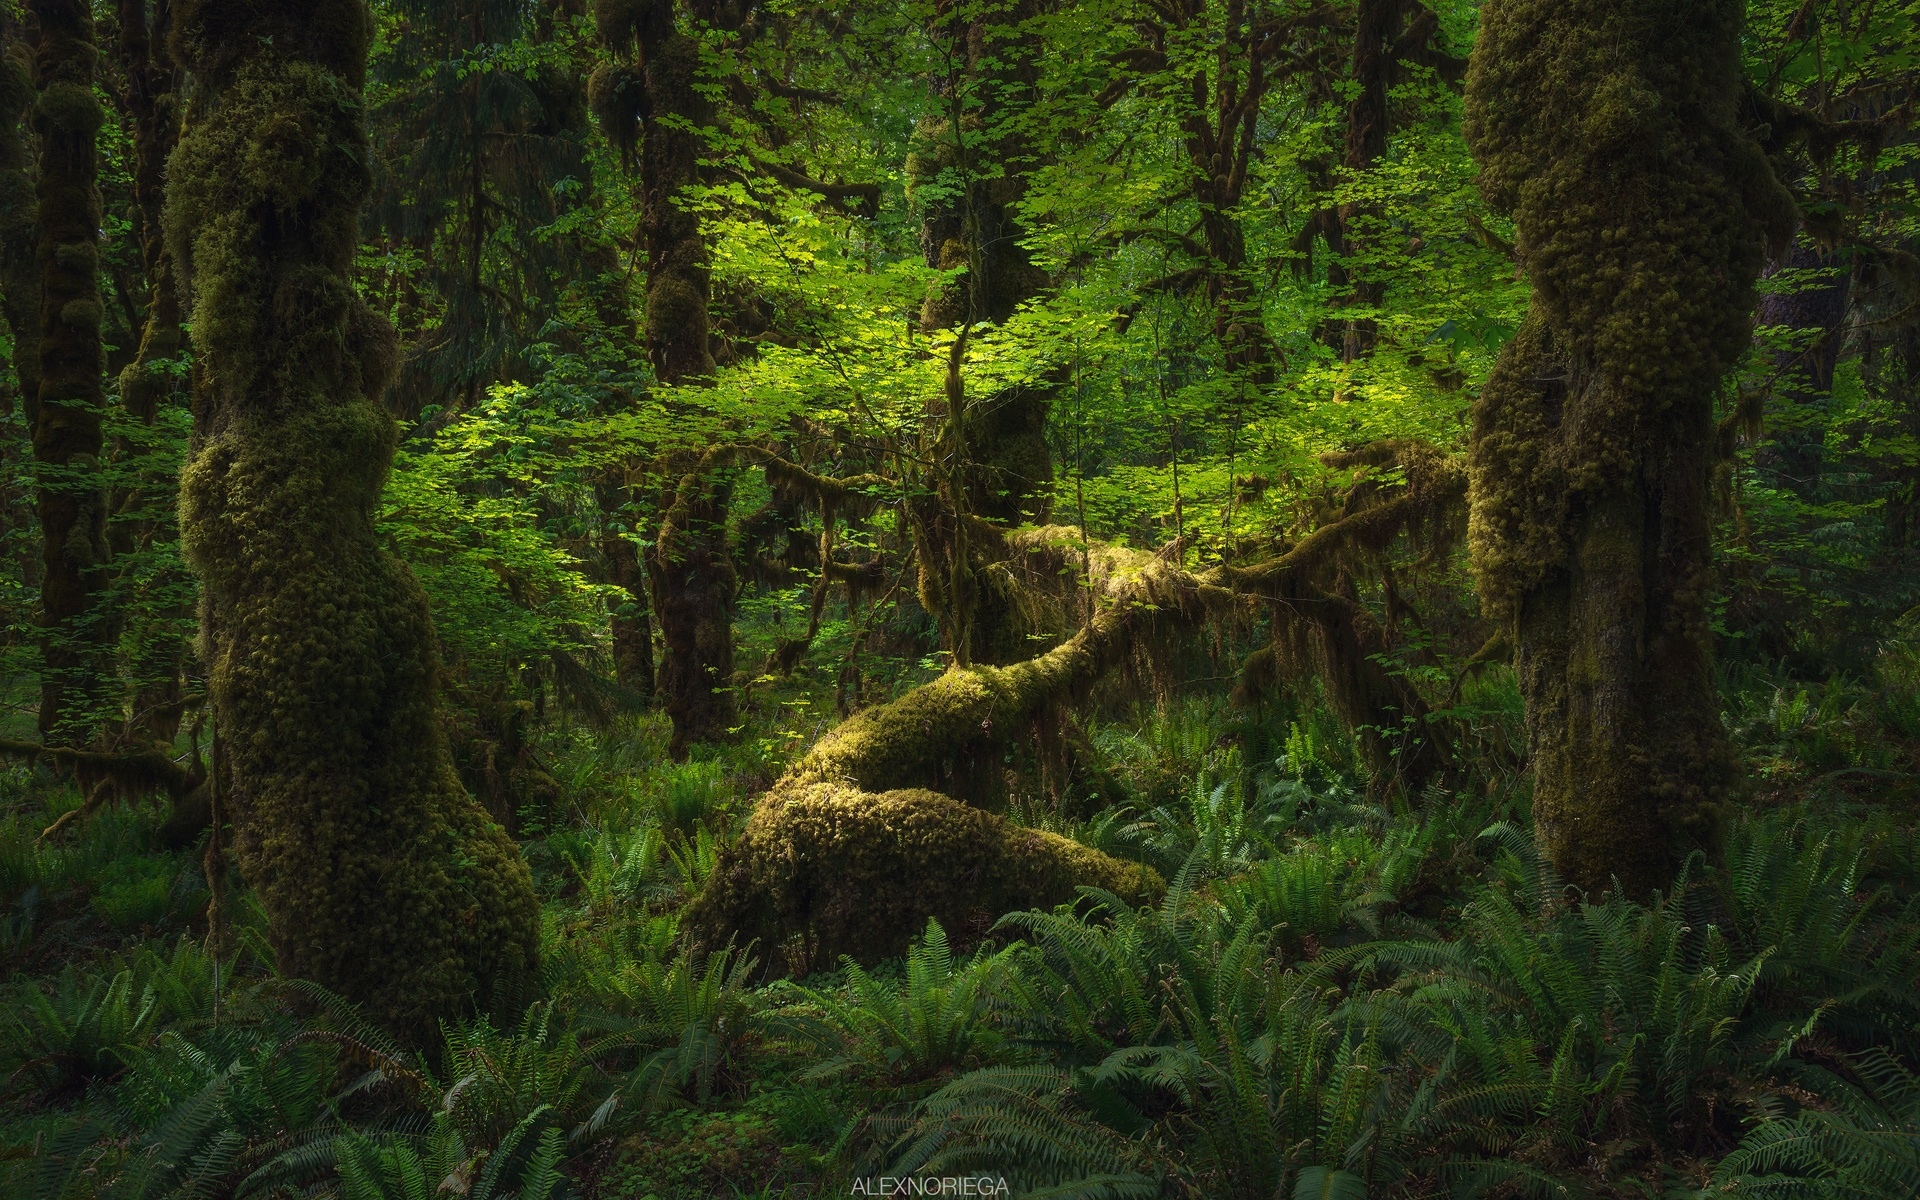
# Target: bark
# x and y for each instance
(19, 288)
(1388, 36)
(76, 661)
(1376, 28)
(1643, 211)
(631, 622)
(382, 879)
(19, 219)
(694, 586)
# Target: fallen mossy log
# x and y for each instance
(825, 870)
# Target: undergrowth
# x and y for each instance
(1340, 996)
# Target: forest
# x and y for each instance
(666, 599)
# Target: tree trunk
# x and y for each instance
(382, 879)
(19, 219)
(76, 662)
(157, 658)
(19, 292)
(631, 623)
(1643, 212)
(691, 568)
(1009, 469)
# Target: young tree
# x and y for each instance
(1643, 210)
(383, 880)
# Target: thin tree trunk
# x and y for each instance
(691, 568)
(67, 430)
(19, 289)
(1815, 311)
(383, 880)
(631, 623)
(157, 660)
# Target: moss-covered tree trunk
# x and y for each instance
(631, 622)
(383, 880)
(694, 582)
(657, 103)
(1608, 128)
(970, 221)
(76, 661)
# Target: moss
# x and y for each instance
(71, 108)
(382, 878)
(1643, 210)
(221, 37)
(847, 872)
(617, 94)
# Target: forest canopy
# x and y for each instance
(674, 598)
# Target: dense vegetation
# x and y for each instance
(1303, 598)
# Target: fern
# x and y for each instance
(936, 1020)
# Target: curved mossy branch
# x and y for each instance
(886, 820)
(382, 879)
(852, 850)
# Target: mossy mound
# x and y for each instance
(827, 870)
(850, 853)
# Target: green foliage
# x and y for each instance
(934, 1021)
(82, 1029)
(690, 1018)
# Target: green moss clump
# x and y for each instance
(70, 108)
(846, 872)
(383, 880)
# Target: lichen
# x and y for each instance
(382, 879)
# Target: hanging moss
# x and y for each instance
(1610, 131)
(383, 880)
